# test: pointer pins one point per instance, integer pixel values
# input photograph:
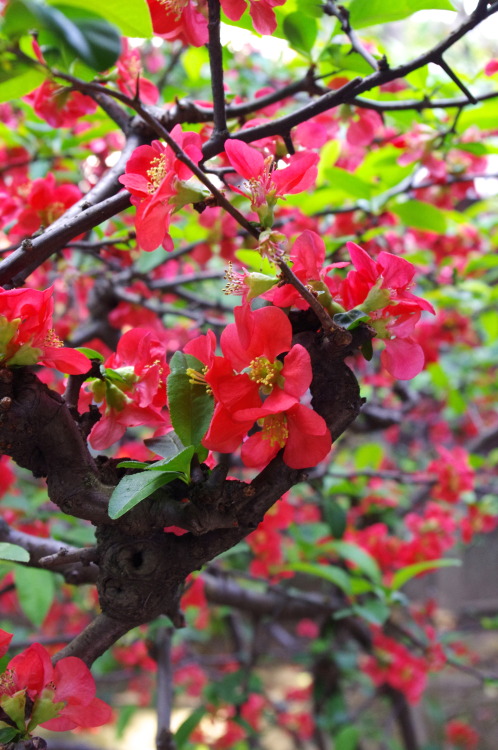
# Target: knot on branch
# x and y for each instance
(140, 578)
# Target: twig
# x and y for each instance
(342, 15)
(328, 324)
(216, 65)
(444, 65)
(96, 639)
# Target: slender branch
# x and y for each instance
(355, 87)
(444, 65)
(327, 323)
(96, 639)
(404, 718)
(161, 131)
(216, 65)
(342, 15)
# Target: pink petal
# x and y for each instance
(403, 358)
(246, 161)
(233, 9)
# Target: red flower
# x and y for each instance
(59, 698)
(134, 391)
(250, 371)
(308, 256)
(461, 735)
(454, 474)
(5, 639)
(381, 289)
(154, 177)
(59, 106)
(130, 78)
(261, 12)
(44, 203)
(392, 664)
(266, 183)
(178, 19)
(300, 431)
(27, 336)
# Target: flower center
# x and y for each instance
(51, 339)
(275, 429)
(156, 172)
(260, 186)
(266, 373)
(235, 281)
(175, 7)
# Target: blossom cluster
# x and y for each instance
(35, 693)
(251, 383)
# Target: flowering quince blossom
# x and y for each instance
(59, 106)
(453, 472)
(27, 336)
(265, 183)
(250, 371)
(130, 79)
(45, 202)
(134, 390)
(261, 12)
(381, 288)
(461, 736)
(155, 177)
(179, 19)
(393, 664)
(308, 258)
(33, 692)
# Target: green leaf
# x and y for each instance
(131, 16)
(102, 38)
(369, 456)
(187, 727)
(167, 446)
(191, 406)
(421, 215)
(7, 734)
(347, 739)
(330, 573)
(348, 183)
(134, 488)
(18, 19)
(301, 31)
(404, 575)
(90, 353)
(335, 516)
(35, 591)
(364, 13)
(351, 319)
(374, 611)
(20, 80)
(13, 552)
(356, 555)
(255, 262)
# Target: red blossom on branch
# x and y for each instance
(382, 289)
(33, 692)
(155, 177)
(134, 389)
(265, 181)
(27, 336)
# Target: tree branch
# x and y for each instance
(216, 65)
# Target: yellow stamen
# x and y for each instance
(156, 172)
